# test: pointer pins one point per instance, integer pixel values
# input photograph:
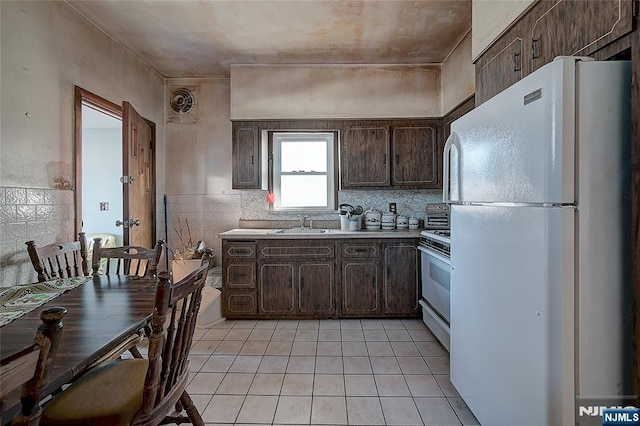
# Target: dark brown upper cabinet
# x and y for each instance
(502, 68)
(365, 156)
(246, 156)
(415, 156)
(391, 154)
(550, 28)
(577, 27)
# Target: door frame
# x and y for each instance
(84, 97)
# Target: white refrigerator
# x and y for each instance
(540, 307)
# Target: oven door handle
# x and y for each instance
(435, 254)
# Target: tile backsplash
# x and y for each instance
(410, 202)
(43, 215)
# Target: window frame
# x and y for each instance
(331, 136)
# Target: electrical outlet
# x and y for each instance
(104, 206)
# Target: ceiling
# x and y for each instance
(202, 38)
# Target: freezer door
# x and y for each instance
(519, 145)
(512, 293)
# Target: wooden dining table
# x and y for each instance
(102, 313)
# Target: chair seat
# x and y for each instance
(100, 397)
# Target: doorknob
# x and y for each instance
(128, 224)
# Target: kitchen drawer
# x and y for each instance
(240, 275)
(240, 304)
(296, 249)
(360, 249)
(243, 250)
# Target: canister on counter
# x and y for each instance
(413, 223)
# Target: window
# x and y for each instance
(303, 173)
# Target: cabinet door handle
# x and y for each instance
(517, 63)
(534, 51)
(384, 159)
(360, 250)
(252, 160)
(397, 159)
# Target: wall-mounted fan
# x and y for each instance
(183, 105)
(182, 100)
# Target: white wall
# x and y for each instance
(490, 18)
(458, 75)
(199, 146)
(102, 165)
(334, 91)
(47, 48)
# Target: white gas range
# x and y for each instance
(435, 247)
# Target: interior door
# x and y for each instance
(138, 158)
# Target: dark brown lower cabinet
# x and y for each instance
(297, 288)
(239, 297)
(277, 295)
(297, 278)
(324, 278)
(360, 278)
(316, 288)
(360, 288)
(240, 303)
(400, 289)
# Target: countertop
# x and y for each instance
(294, 233)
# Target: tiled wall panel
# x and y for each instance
(42, 215)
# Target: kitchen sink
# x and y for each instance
(300, 231)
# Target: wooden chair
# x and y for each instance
(59, 260)
(125, 260)
(129, 260)
(142, 391)
(30, 369)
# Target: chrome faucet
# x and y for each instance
(302, 220)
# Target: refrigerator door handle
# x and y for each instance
(452, 141)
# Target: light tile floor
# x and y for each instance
(327, 372)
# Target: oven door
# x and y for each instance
(436, 281)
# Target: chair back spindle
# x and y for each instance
(59, 260)
(126, 260)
